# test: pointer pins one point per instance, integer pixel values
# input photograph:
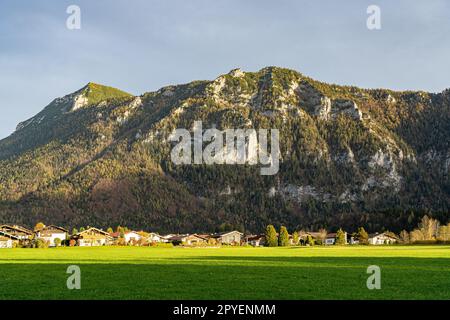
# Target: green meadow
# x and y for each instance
(407, 272)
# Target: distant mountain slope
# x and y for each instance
(349, 157)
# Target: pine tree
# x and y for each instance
(283, 240)
(271, 236)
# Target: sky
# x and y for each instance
(142, 45)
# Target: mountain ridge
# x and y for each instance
(350, 156)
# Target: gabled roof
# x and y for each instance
(373, 235)
(7, 235)
(93, 229)
(16, 228)
(50, 227)
(221, 234)
(184, 236)
(255, 237)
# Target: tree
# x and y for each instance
(283, 240)
(429, 227)
(74, 231)
(404, 237)
(362, 235)
(416, 235)
(109, 230)
(444, 233)
(295, 238)
(82, 229)
(57, 242)
(271, 236)
(309, 240)
(340, 237)
(322, 234)
(39, 226)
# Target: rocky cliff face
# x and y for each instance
(349, 157)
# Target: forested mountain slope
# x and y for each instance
(349, 157)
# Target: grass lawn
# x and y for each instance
(407, 272)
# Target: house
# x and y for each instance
(92, 237)
(7, 240)
(17, 231)
(188, 239)
(381, 238)
(51, 233)
(256, 240)
(330, 239)
(155, 238)
(131, 237)
(231, 237)
(316, 236)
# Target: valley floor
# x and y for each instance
(407, 272)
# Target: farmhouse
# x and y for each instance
(154, 237)
(331, 238)
(51, 233)
(381, 238)
(256, 240)
(187, 239)
(131, 237)
(17, 231)
(92, 237)
(231, 237)
(7, 240)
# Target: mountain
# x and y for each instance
(348, 157)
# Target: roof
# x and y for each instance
(17, 228)
(50, 227)
(204, 236)
(7, 235)
(373, 235)
(221, 234)
(177, 237)
(255, 237)
(183, 236)
(93, 229)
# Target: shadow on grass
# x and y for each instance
(219, 277)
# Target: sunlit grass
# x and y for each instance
(407, 272)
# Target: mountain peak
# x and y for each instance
(92, 93)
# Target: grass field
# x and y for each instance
(414, 272)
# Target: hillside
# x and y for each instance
(349, 157)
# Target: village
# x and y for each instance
(13, 236)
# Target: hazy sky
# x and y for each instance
(140, 46)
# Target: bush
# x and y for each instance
(161, 245)
(40, 243)
(57, 242)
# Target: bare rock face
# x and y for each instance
(79, 101)
(347, 107)
(237, 73)
(323, 109)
